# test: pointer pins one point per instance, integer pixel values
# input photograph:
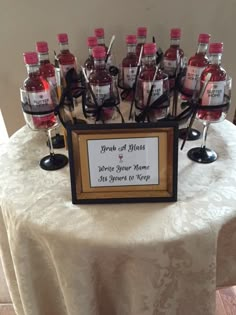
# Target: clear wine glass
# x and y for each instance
(203, 154)
(42, 117)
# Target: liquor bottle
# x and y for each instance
(100, 35)
(214, 93)
(196, 65)
(101, 81)
(129, 64)
(66, 59)
(172, 54)
(145, 81)
(89, 63)
(141, 38)
(47, 70)
(38, 91)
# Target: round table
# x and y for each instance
(117, 259)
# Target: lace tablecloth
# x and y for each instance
(122, 259)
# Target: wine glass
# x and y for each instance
(207, 116)
(42, 117)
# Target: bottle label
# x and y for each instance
(192, 79)
(214, 93)
(101, 93)
(40, 101)
(170, 66)
(156, 92)
(66, 68)
(129, 76)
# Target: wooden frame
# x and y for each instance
(155, 179)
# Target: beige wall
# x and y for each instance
(23, 22)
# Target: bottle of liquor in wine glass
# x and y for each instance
(130, 64)
(214, 95)
(38, 109)
(172, 54)
(65, 58)
(151, 80)
(141, 39)
(191, 85)
(89, 62)
(101, 82)
(47, 70)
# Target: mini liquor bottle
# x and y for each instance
(89, 63)
(65, 58)
(196, 65)
(101, 81)
(141, 38)
(100, 35)
(129, 64)
(47, 70)
(38, 92)
(172, 54)
(214, 93)
(145, 81)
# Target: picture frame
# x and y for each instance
(114, 163)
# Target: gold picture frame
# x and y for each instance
(123, 162)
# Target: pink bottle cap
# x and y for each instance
(204, 38)
(175, 33)
(216, 48)
(99, 32)
(99, 52)
(142, 31)
(31, 58)
(42, 47)
(62, 38)
(92, 41)
(149, 49)
(131, 39)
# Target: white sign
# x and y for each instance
(123, 162)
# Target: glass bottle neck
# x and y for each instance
(175, 42)
(90, 50)
(44, 57)
(32, 69)
(141, 39)
(64, 46)
(101, 40)
(150, 60)
(99, 64)
(215, 59)
(131, 48)
(202, 48)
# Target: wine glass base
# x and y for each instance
(57, 141)
(53, 162)
(193, 134)
(202, 155)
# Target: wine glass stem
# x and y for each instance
(50, 142)
(204, 136)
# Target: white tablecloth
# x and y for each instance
(122, 259)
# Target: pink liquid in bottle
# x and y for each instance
(145, 82)
(65, 58)
(196, 65)
(130, 64)
(171, 55)
(100, 35)
(38, 92)
(47, 70)
(89, 63)
(141, 38)
(214, 93)
(101, 81)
